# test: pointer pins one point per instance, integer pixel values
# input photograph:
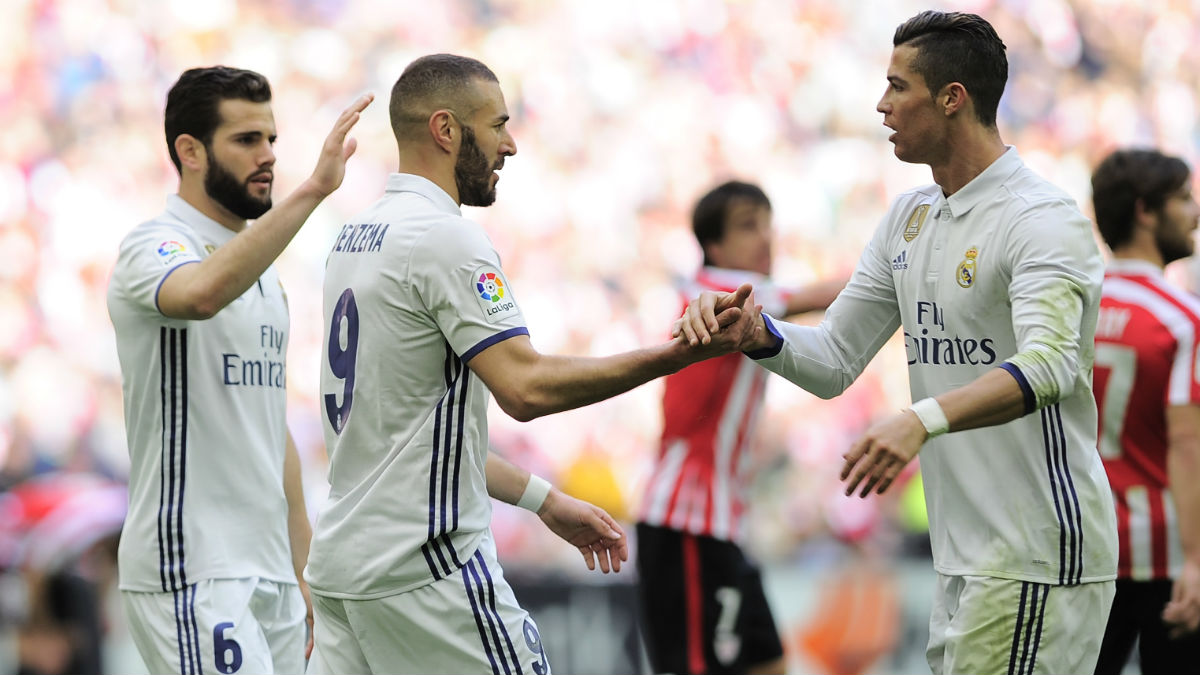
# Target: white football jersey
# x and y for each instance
(413, 291)
(205, 415)
(1003, 273)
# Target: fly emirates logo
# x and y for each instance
(239, 371)
(928, 343)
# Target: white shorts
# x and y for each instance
(992, 625)
(220, 625)
(466, 623)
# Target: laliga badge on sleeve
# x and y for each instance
(170, 251)
(492, 292)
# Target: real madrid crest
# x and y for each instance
(966, 268)
(915, 221)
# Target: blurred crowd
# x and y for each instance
(624, 112)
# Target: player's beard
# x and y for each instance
(473, 173)
(1172, 243)
(224, 188)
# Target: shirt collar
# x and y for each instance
(1133, 267)
(985, 184)
(192, 217)
(407, 182)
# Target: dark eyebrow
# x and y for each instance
(502, 119)
(896, 80)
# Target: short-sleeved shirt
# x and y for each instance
(710, 412)
(205, 416)
(1146, 361)
(413, 290)
(1003, 273)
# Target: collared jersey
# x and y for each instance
(413, 290)
(710, 410)
(1003, 273)
(205, 416)
(1146, 360)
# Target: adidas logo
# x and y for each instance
(900, 262)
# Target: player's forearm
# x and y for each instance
(505, 481)
(299, 527)
(814, 296)
(558, 383)
(1183, 468)
(200, 291)
(993, 398)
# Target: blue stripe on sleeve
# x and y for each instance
(768, 352)
(1030, 400)
(493, 339)
(164, 278)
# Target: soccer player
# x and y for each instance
(217, 535)
(422, 325)
(1148, 392)
(702, 599)
(995, 277)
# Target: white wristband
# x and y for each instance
(535, 493)
(932, 416)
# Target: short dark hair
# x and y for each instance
(194, 101)
(1126, 176)
(432, 83)
(709, 216)
(958, 47)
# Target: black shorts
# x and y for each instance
(702, 603)
(1137, 613)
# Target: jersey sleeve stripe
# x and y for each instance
(768, 352)
(1026, 390)
(164, 278)
(493, 339)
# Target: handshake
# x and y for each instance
(717, 323)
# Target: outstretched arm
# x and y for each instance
(528, 384)
(200, 290)
(585, 526)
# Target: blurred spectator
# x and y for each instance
(58, 535)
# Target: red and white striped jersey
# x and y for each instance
(710, 410)
(1145, 361)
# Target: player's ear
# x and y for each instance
(1142, 216)
(953, 98)
(444, 128)
(192, 153)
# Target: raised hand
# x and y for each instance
(331, 165)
